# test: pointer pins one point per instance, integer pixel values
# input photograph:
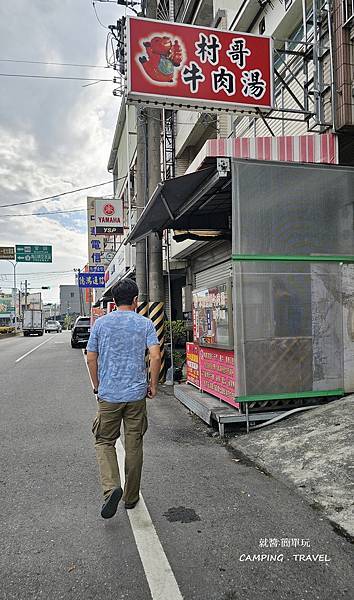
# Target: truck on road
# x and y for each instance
(33, 322)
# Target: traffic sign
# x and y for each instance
(7, 253)
(34, 253)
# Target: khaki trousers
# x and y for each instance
(106, 429)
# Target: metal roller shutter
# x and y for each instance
(213, 275)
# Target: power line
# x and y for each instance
(97, 17)
(38, 273)
(44, 214)
(21, 75)
(89, 187)
(58, 64)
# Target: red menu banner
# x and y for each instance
(189, 65)
(193, 374)
(217, 373)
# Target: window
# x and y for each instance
(212, 316)
(348, 12)
(72, 294)
(83, 322)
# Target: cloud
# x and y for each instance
(53, 134)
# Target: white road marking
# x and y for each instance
(158, 571)
(33, 349)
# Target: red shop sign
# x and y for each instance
(192, 356)
(200, 67)
(217, 373)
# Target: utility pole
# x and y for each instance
(14, 292)
(81, 300)
(19, 308)
(149, 276)
(26, 292)
(154, 177)
(156, 286)
(141, 196)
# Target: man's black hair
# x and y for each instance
(124, 292)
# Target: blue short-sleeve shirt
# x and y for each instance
(121, 339)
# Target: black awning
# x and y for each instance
(200, 200)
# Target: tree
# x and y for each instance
(68, 321)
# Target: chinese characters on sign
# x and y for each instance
(91, 231)
(217, 373)
(192, 356)
(91, 280)
(97, 269)
(34, 253)
(195, 66)
(7, 253)
(98, 254)
(207, 49)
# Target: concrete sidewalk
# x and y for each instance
(312, 451)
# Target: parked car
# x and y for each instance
(53, 326)
(80, 332)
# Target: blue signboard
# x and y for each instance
(91, 280)
(97, 268)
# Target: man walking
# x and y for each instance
(116, 360)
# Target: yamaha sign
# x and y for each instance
(109, 217)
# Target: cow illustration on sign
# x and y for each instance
(164, 56)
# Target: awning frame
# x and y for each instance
(178, 217)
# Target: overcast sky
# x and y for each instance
(54, 135)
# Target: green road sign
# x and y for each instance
(34, 254)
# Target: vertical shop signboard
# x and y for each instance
(98, 255)
(217, 373)
(109, 216)
(193, 372)
(91, 232)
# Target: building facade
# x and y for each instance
(311, 121)
(72, 301)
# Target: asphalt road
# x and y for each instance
(209, 510)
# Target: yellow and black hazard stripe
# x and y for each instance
(143, 309)
(156, 314)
